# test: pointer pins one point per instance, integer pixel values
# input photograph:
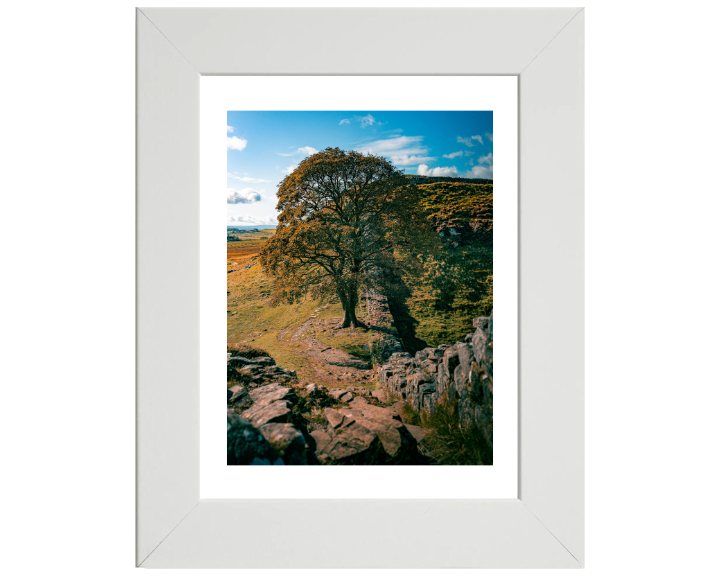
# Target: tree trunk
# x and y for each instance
(349, 304)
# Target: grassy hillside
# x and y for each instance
(433, 305)
(454, 284)
(283, 331)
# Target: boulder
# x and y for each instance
(259, 414)
(483, 343)
(347, 397)
(287, 441)
(271, 392)
(418, 432)
(396, 441)
(380, 395)
(353, 444)
(450, 359)
(321, 438)
(465, 357)
(337, 392)
(246, 445)
(338, 418)
(239, 397)
(311, 388)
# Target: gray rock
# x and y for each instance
(353, 444)
(322, 439)
(287, 441)
(246, 445)
(396, 441)
(266, 394)
(418, 432)
(337, 392)
(347, 397)
(465, 356)
(380, 395)
(260, 414)
(311, 388)
(239, 397)
(338, 418)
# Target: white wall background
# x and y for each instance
(67, 176)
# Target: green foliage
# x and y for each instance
(452, 283)
(409, 415)
(341, 216)
(449, 443)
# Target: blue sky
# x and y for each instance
(263, 147)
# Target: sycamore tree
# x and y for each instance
(342, 217)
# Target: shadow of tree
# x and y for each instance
(397, 292)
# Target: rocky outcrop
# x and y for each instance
(257, 371)
(460, 374)
(260, 430)
(247, 445)
(363, 433)
(268, 424)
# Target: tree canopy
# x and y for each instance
(342, 216)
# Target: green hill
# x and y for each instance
(416, 179)
(453, 284)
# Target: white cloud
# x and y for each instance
(246, 178)
(489, 136)
(254, 220)
(396, 145)
(304, 150)
(235, 143)
(480, 172)
(231, 219)
(365, 121)
(402, 150)
(230, 129)
(423, 170)
(469, 141)
(410, 160)
(289, 169)
(483, 169)
(453, 155)
(244, 196)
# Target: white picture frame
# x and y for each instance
(544, 527)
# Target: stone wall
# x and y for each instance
(380, 319)
(461, 372)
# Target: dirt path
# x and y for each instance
(327, 344)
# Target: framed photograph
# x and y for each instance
(370, 265)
